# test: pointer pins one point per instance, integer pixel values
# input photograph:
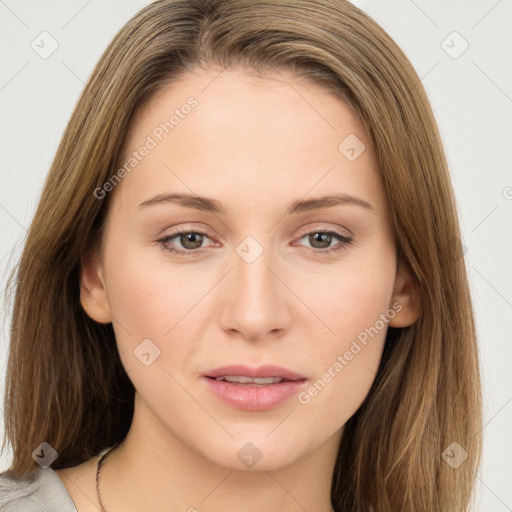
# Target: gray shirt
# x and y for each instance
(40, 490)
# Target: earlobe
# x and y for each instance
(406, 293)
(93, 291)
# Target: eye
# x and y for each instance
(190, 240)
(320, 240)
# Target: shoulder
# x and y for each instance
(40, 490)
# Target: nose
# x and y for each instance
(255, 301)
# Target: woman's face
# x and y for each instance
(270, 274)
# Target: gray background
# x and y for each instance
(470, 91)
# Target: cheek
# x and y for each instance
(147, 300)
(346, 367)
(349, 298)
(149, 296)
(355, 305)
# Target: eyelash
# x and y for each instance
(344, 239)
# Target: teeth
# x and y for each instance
(245, 380)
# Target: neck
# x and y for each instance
(162, 473)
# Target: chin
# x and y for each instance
(241, 454)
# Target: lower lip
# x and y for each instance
(257, 397)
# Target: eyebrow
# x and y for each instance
(207, 204)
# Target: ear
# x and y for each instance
(406, 292)
(93, 292)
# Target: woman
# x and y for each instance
(243, 286)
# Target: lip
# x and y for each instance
(267, 370)
(254, 397)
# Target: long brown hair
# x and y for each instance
(65, 382)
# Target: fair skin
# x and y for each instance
(255, 145)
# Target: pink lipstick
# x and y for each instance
(254, 389)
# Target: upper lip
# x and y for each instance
(267, 370)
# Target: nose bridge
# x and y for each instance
(254, 303)
(252, 265)
(253, 278)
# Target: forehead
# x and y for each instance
(270, 133)
(248, 103)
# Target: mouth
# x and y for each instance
(253, 389)
(242, 380)
(260, 375)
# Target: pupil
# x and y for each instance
(322, 238)
(195, 239)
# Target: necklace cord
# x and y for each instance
(101, 460)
